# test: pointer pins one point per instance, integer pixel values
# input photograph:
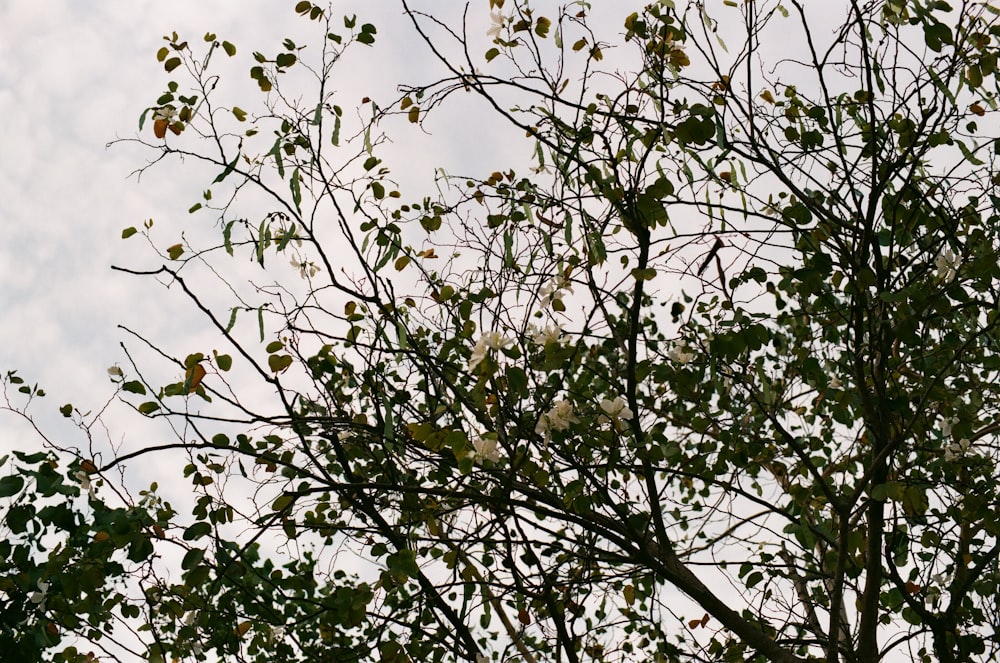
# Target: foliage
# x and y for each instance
(713, 380)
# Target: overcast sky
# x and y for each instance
(74, 76)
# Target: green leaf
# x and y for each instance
(282, 502)
(378, 190)
(240, 114)
(149, 407)
(278, 363)
(967, 153)
(172, 64)
(227, 241)
(296, 188)
(192, 558)
(542, 26)
(229, 48)
(643, 274)
(225, 173)
(162, 54)
(197, 531)
(66, 410)
(492, 53)
(128, 232)
(174, 252)
(224, 362)
(335, 137)
(367, 35)
(134, 387)
(11, 485)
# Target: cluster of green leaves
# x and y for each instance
(65, 563)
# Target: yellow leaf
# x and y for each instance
(767, 96)
(977, 109)
(629, 593)
(193, 377)
(242, 629)
(414, 114)
(160, 128)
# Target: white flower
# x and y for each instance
(956, 450)
(544, 335)
(197, 649)
(487, 342)
(616, 408)
(558, 418)
(481, 659)
(553, 290)
(277, 633)
(38, 598)
(84, 480)
(835, 383)
(681, 352)
(486, 449)
(947, 424)
(496, 26)
(307, 268)
(190, 617)
(165, 113)
(947, 264)
(616, 412)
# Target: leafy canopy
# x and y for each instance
(712, 378)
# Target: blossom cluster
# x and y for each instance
(559, 417)
(947, 264)
(488, 342)
(553, 290)
(616, 412)
(485, 449)
(681, 352)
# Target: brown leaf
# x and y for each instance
(193, 377)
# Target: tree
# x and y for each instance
(714, 380)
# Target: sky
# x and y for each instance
(75, 76)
